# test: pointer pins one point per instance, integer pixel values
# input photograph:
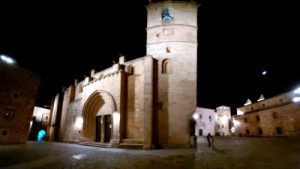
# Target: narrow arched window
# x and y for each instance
(130, 69)
(166, 66)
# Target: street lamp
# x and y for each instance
(195, 116)
(296, 97)
(7, 59)
(78, 123)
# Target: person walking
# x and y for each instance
(210, 139)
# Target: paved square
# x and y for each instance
(227, 153)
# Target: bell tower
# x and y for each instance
(172, 40)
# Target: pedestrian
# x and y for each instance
(210, 139)
(195, 141)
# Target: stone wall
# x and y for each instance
(72, 134)
(175, 41)
(135, 102)
(278, 116)
(18, 91)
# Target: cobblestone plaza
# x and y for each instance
(227, 153)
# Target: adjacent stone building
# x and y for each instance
(39, 124)
(276, 116)
(214, 121)
(146, 102)
(18, 91)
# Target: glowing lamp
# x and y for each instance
(296, 99)
(116, 116)
(195, 116)
(235, 122)
(232, 129)
(7, 59)
(78, 123)
(297, 91)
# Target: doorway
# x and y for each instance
(103, 128)
(98, 128)
(107, 128)
(200, 132)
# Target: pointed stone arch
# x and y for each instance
(99, 103)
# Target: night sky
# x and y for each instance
(61, 42)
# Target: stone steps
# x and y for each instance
(132, 141)
(131, 146)
(96, 144)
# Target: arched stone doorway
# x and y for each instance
(97, 117)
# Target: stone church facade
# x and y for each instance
(146, 102)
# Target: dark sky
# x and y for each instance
(61, 42)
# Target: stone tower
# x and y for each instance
(172, 40)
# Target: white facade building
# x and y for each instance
(213, 121)
(205, 121)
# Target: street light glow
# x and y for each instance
(232, 129)
(235, 122)
(195, 116)
(116, 116)
(7, 59)
(296, 99)
(78, 123)
(297, 91)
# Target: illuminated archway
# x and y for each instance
(100, 103)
